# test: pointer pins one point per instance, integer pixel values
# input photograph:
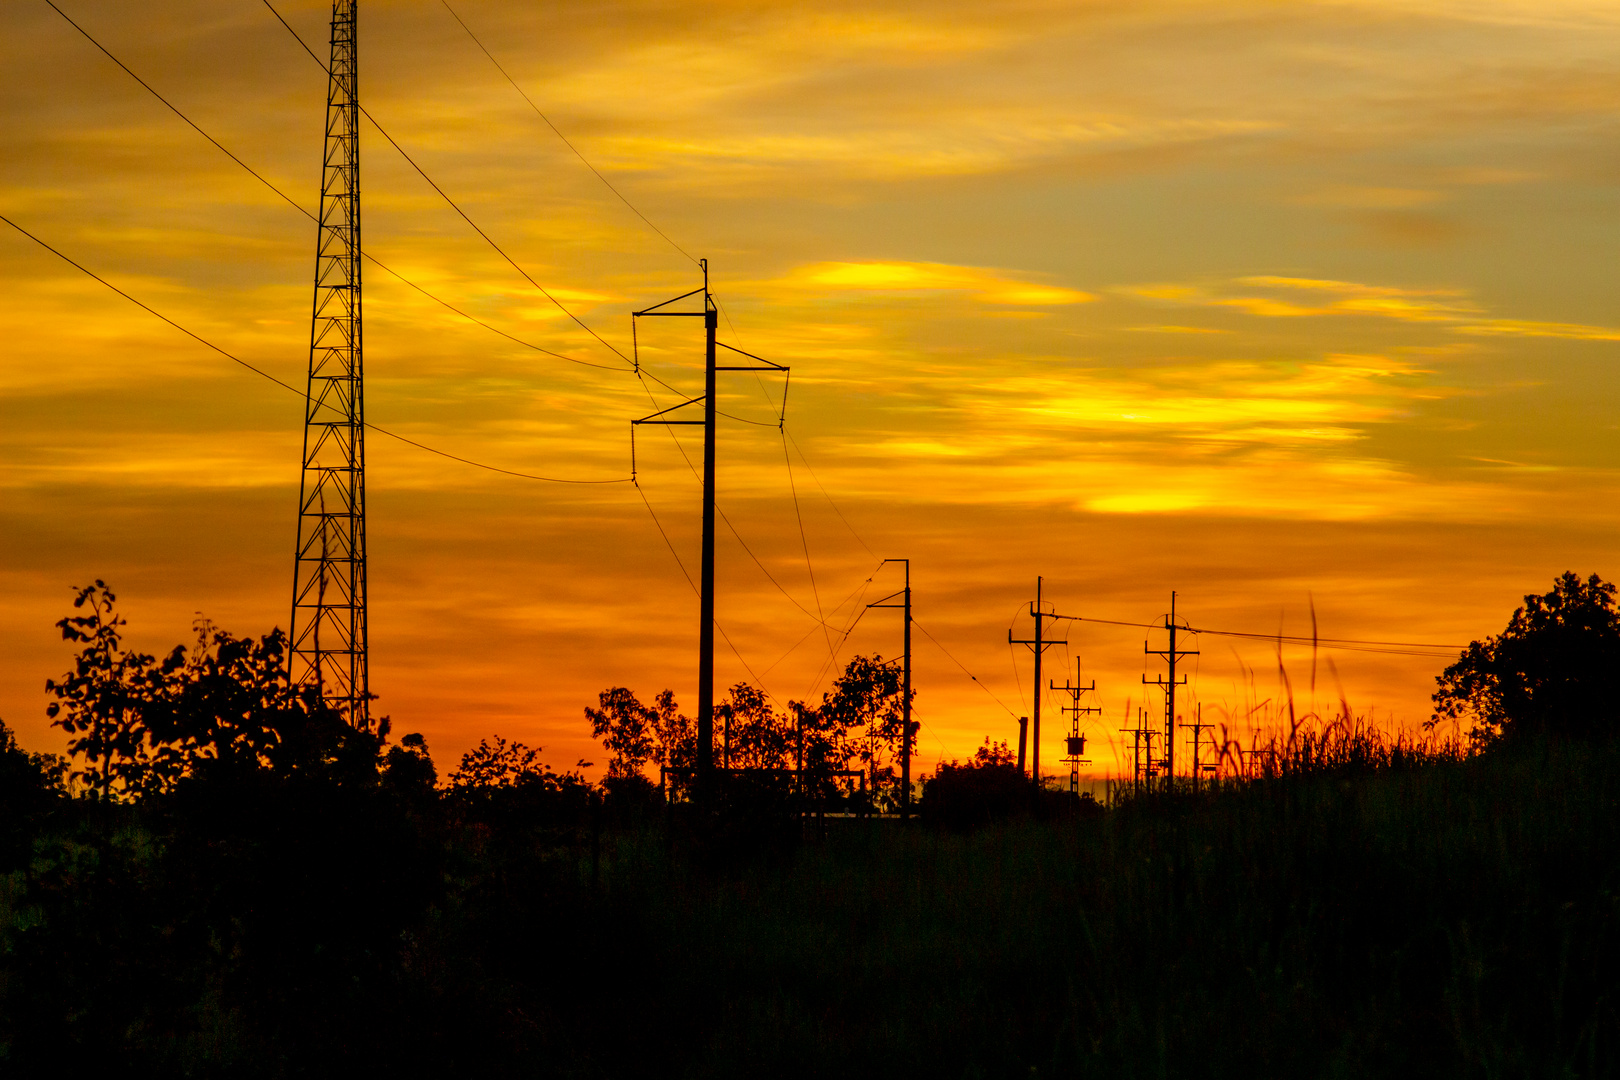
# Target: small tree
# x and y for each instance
(503, 765)
(224, 711)
(102, 702)
(867, 703)
(1552, 671)
(758, 737)
(628, 730)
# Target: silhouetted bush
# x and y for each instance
(987, 787)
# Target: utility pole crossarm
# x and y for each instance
(770, 365)
(704, 289)
(706, 618)
(653, 419)
(1171, 656)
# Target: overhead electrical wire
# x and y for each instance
(804, 539)
(963, 666)
(566, 142)
(828, 496)
(290, 201)
(456, 206)
(1394, 648)
(819, 617)
(806, 636)
(288, 386)
(684, 573)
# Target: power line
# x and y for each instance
(806, 636)
(828, 496)
(963, 666)
(287, 386)
(556, 131)
(804, 540)
(290, 201)
(1393, 648)
(457, 208)
(678, 562)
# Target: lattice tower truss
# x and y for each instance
(329, 580)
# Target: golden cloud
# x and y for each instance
(986, 285)
(1340, 298)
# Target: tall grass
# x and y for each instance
(1460, 917)
(1358, 910)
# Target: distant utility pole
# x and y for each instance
(1171, 656)
(710, 317)
(1143, 766)
(1198, 728)
(1039, 644)
(905, 721)
(327, 634)
(1077, 742)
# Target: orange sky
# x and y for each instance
(1271, 304)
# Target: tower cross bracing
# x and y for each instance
(328, 636)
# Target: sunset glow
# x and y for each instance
(1298, 310)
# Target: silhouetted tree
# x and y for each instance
(221, 713)
(628, 730)
(508, 781)
(858, 719)
(757, 736)
(1552, 671)
(408, 769)
(501, 765)
(29, 784)
(865, 704)
(101, 703)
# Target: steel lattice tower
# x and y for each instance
(329, 577)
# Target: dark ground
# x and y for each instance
(1456, 919)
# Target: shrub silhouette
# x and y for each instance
(967, 794)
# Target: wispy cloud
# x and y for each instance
(1287, 298)
(989, 286)
(1528, 328)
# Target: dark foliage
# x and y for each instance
(31, 785)
(856, 725)
(967, 794)
(1551, 672)
(320, 908)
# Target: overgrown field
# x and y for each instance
(1456, 918)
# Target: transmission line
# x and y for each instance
(964, 667)
(684, 573)
(556, 131)
(290, 201)
(284, 385)
(457, 207)
(1392, 648)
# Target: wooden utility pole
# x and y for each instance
(710, 317)
(1171, 656)
(1076, 745)
(1039, 644)
(905, 691)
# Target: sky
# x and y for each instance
(1302, 310)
